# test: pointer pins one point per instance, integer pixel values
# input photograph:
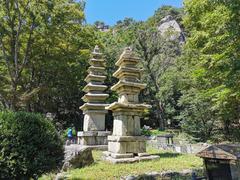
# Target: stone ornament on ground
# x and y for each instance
(126, 143)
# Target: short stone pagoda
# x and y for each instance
(126, 143)
(94, 132)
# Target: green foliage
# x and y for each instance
(45, 48)
(154, 132)
(112, 44)
(44, 52)
(197, 120)
(146, 132)
(159, 53)
(164, 11)
(30, 145)
(211, 70)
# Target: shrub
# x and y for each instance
(29, 145)
(145, 132)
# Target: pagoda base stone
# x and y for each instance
(93, 138)
(94, 120)
(127, 158)
(126, 144)
(96, 147)
(127, 149)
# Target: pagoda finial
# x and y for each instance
(96, 49)
(128, 48)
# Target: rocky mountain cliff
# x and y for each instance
(168, 26)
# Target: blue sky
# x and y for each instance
(110, 11)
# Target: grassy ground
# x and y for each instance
(104, 170)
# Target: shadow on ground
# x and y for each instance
(167, 154)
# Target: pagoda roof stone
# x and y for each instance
(127, 71)
(128, 85)
(128, 107)
(127, 57)
(93, 106)
(92, 77)
(90, 97)
(94, 87)
(95, 68)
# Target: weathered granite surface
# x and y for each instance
(126, 143)
(94, 109)
(170, 28)
(76, 157)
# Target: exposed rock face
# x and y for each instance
(170, 27)
(77, 157)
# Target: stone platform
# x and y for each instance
(93, 138)
(96, 147)
(79, 147)
(107, 156)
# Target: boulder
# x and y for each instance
(77, 157)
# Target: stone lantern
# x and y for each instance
(94, 132)
(126, 143)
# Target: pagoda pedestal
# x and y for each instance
(94, 133)
(126, 143)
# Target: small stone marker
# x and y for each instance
(94, 132)
(126, 144)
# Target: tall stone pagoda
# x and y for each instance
(94, 132)
(126, 143)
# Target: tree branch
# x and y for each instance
(16, 45)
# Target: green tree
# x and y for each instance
(99, 24)
(212, 66)
(43, 58)
(158, 61)
(164, 11)
(159, 54)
